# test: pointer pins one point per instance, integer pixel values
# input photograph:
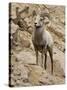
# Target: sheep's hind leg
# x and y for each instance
(51, 56)
(42, 57)
(45, 60)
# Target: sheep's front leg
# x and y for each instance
(42, 57)
(45, 53)
(36, 57)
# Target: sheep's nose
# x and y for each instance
(35, 23)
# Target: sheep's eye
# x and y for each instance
(41, 18)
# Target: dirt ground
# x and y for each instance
(24, 71)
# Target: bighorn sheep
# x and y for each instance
(42, 41)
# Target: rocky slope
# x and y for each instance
(24, 71)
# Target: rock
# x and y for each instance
(14, 28)
(26, 57)
(55, 29)
(58, 61)
(35, 73)
(12, 83)
(26, 80)
(30, 30)
(22, 39)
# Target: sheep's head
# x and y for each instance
(38, 21)
(41, 19)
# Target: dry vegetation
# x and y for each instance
(24, 71)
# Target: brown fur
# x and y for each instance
(42, 42)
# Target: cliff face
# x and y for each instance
(24, 71)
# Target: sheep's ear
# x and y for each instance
(46, 20)
(34, 13)
(41, 18)
(45, 13)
